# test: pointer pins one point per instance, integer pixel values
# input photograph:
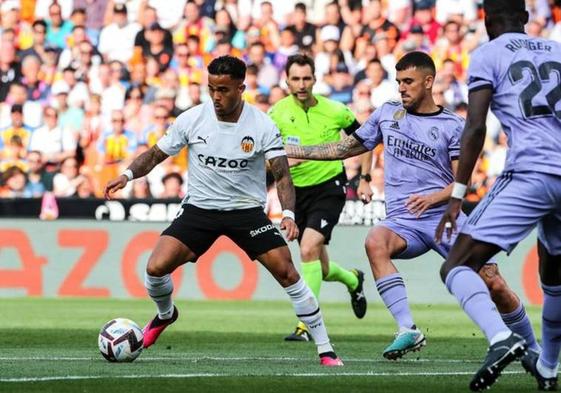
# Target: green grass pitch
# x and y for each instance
(49, 345)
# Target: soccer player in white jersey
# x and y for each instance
(420, 150)
(229, 143)
(519, 77)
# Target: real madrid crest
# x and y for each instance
(247, 144)
(434, 134)
(399, 114)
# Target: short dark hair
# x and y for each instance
(504, 6)
(228, 65)
(39, 22)
(416, 59)
(300, 7)
(16, 108)
(301, 60)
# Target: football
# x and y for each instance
(120, 340)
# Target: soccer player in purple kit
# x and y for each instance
(421, 146)
(519, 77)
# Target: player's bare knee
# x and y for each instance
(378, 252)
(157, 268)
(309, 252)
(495, 282)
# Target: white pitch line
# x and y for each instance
(218, 375)
(230, 359)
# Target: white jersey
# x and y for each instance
(226, 160)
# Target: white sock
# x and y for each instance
(160, 290)
(500, 336)
(307, 310)
(545, 371)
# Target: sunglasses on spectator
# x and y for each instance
(160, 117)
(182, 54)
(50, 114)
(118, 120)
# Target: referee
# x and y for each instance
(307, 119)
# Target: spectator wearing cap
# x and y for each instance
(166, 97)
(377, 26)
(117, 144)
(58, 29)
(10, 70)
(141, 43)
(267, 75)
(330, 56)
(54, 142)
(39, 40)
(423, 15)
(461, 11)
(37, 89)
(340, 82)
(156, 48)
(17, 128)
(116, 40)
(304, 31)
(69, 117)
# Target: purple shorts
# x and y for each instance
(418, 233)
(512, 208)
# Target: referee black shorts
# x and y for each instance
(250, 229)
(319, 206)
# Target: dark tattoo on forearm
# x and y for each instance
(285, 188)
(346, 148)
(144, 163)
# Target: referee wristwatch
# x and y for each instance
(366, 177)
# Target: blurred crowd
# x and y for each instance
(86, 85)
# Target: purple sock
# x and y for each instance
(519, 323)
(392, 291)
(474, 298)
(551, 325)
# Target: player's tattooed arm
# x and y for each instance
(348, 147)
(144, 163)
(285, 188)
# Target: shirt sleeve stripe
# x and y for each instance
(355, 125)
(481, 87)
(275, 153)
(358, 138)
(274, 148)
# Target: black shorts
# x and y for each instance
(319, 206)
(250, 229)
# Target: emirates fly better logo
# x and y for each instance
(247, 144)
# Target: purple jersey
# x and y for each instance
(525, 75)
(418, 150)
